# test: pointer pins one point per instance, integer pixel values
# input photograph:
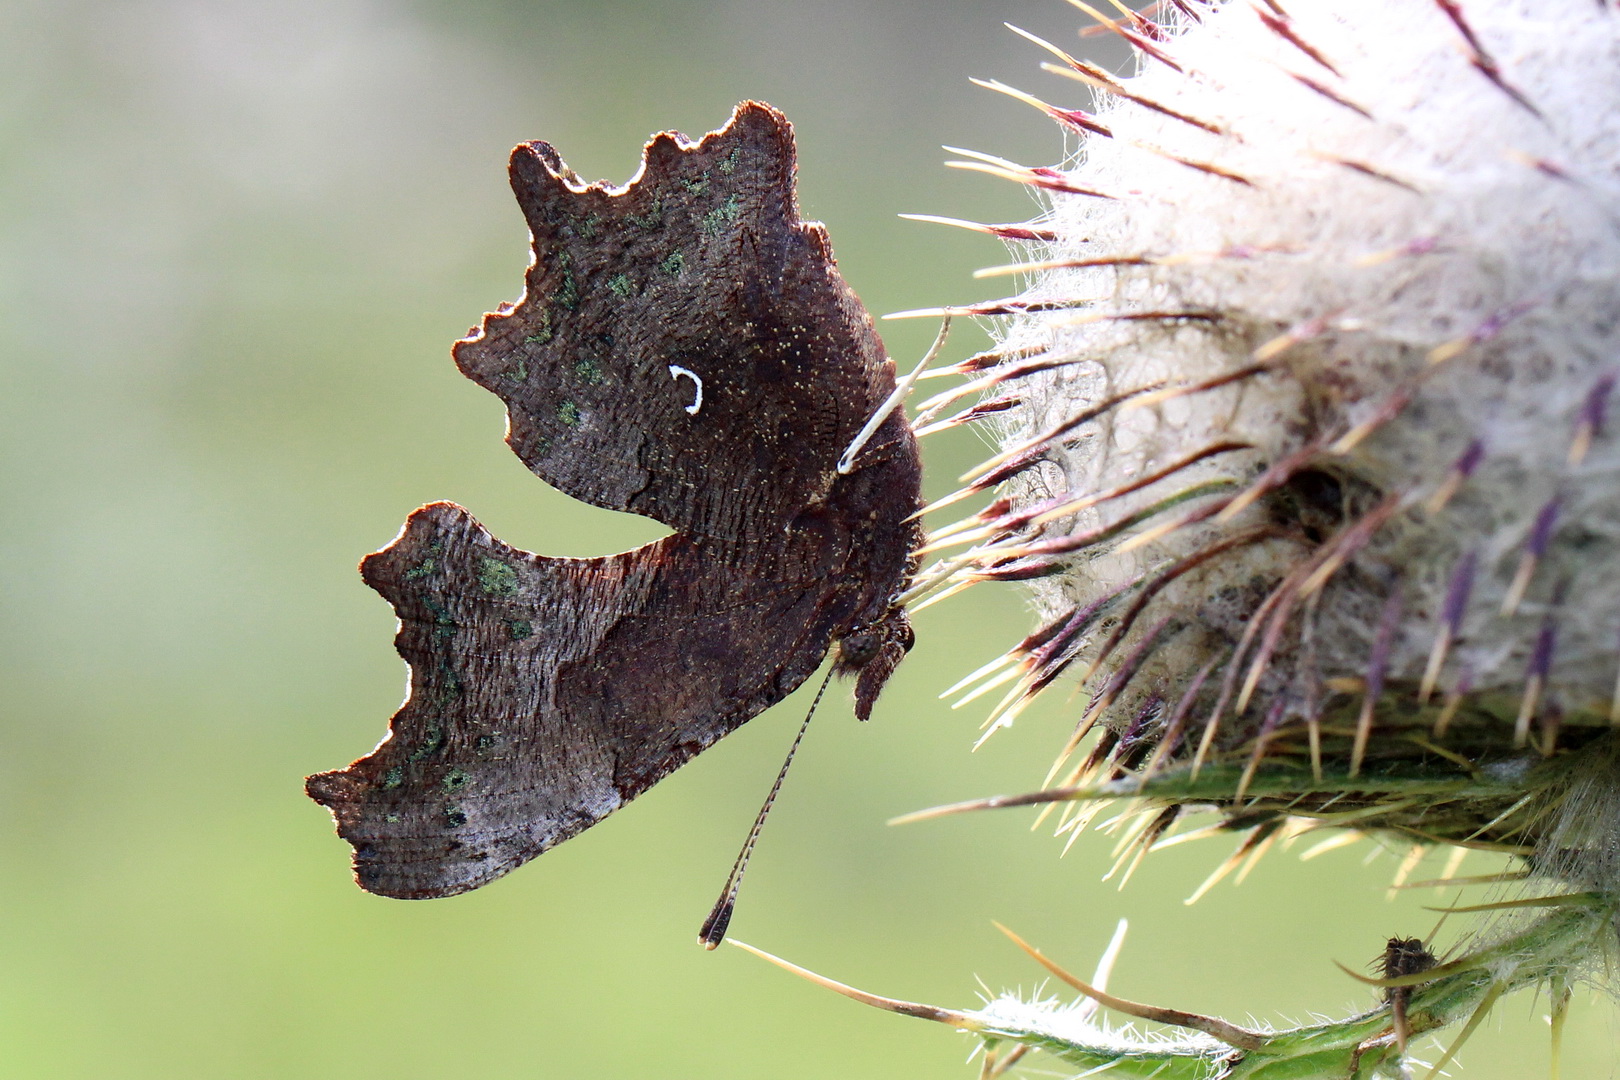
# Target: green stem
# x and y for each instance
(1550, 949)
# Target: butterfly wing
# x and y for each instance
(685, 349)
(545, 693)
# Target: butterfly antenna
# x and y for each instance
(714, 927)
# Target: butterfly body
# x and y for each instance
(685, 349)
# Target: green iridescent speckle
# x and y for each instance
(672, 264)
(393, 777)
(449, 685)
(450, 688)
(568, 414)
(486, 743)
(729, 162)
(621, 285)
(392, 819)
(453, 816)
(432, 742)
(455, 780)
(496, 578)
(591, 371)
(586, 226)
(542, 334)
(698, 186)
(723, 215)
(426, 567)
(567, 294)
(652, 219)
(519, 628)
(444, 627)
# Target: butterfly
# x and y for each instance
(684, 349)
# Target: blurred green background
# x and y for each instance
(236, 240)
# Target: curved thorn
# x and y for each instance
(955, 1019)
(1230, 1034)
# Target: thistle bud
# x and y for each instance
(1307, 455)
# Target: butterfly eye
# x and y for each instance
(857, 650)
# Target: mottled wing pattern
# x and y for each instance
(545, 693)
(696, 279)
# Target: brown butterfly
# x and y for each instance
(684, 349)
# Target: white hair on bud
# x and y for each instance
(1412, 227)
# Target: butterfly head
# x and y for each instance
(871, 653)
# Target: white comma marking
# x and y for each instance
(676, 372)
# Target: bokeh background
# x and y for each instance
(236, 240)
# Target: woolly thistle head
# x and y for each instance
(1302, 414)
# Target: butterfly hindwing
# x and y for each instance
(546, 693)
